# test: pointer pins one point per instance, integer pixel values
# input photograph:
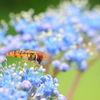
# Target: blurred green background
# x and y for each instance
(89, 85)
(7, 6)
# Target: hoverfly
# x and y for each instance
(31, 55)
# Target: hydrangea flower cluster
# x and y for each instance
(23, 83)
(67, 34)
(73, 59)
(66, 29)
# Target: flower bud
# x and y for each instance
(25, 85)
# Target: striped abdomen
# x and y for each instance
(19, 54)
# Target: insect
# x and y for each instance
(31, 55)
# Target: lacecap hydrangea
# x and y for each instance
(21, 82)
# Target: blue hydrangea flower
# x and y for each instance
(76, 55)
(29, 45)
(23, 82)
(8, 94)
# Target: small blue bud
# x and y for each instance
(43, 79)
(56, 64)
(55, 80)
(68, 56)
(47, 93)
(63, 67)
(61, 97)
(55, 93)
(48, 77)
(25, 85)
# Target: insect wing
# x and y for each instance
(30, 51)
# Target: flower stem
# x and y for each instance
(78, 77)
(55, 72)
(49, 60)
(74, 85)
(47, 68)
